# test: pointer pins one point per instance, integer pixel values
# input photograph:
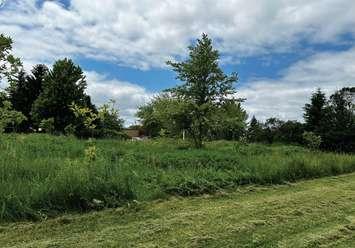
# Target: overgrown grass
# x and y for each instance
(42, 175)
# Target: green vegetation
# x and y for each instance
(317, 213)
(42, 175)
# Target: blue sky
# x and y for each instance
(282, 50)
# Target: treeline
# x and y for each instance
(52, 100)
(203, 107)
(329, 124)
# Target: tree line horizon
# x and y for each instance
(204, 106)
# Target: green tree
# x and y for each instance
(339, 134)
(109, 116)
(228, 121)
(255, 131)
(316, 112)
(165, 114)
(9, 118)
(205, 86)
(150, 122)
(24, 90)
(64, 85)
(9, 64)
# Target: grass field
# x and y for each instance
(314, 213)
(44, 176)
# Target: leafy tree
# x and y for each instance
(9, 64)
(150, 123)
(205, 86)
(24, 91)
(339, 134)
(316, 112)
(85, 119)
(47, 125)
(165, 114)
(255, 131)
(109, 117)
(291, 132)
(312, 140)
(64, 85)
(9, 118)
(228, 121)
(17, 93)
(271, 129)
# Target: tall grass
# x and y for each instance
(42, 175)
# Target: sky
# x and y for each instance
(283, 50)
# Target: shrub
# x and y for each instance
(47, 125)
(312, 140)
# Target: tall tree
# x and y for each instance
(228, 121)
(24, 90)
(316, 112)
(64, 85)
(9, 64)
(340, 135)
(255, 131)
(204, 87)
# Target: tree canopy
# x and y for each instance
(204, 86)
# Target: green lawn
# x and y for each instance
(314, 213)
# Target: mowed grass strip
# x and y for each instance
(317, 213)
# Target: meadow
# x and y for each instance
(42, 176)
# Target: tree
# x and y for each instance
(85, 119)
(150, 123)
(205, 86)
(9, 64)
(255, 131)
(165, 114)
(316, 112)
(24, 91)
(110, 122)
(339, 134)
(228, 121)
(271, 129)
(9, 118)
(64, 85)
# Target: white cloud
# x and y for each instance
(146, 33)
(128, 96)
(286, 96)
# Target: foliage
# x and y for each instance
(47, 125)
(228, 121)
(25, 89)
(84, 116)
(9, 118)
(316, 112)
(9, 65)
(204, 87)
(110, 120)
(64, 85)
(44, 175)
(312, 140)
(165, 114)
(336, 119)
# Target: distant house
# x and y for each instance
(132, 133)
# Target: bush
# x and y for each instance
(47, 125)
(312, 140)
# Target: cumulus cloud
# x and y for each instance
(286, 96)
(127, 96)
(145, 33)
